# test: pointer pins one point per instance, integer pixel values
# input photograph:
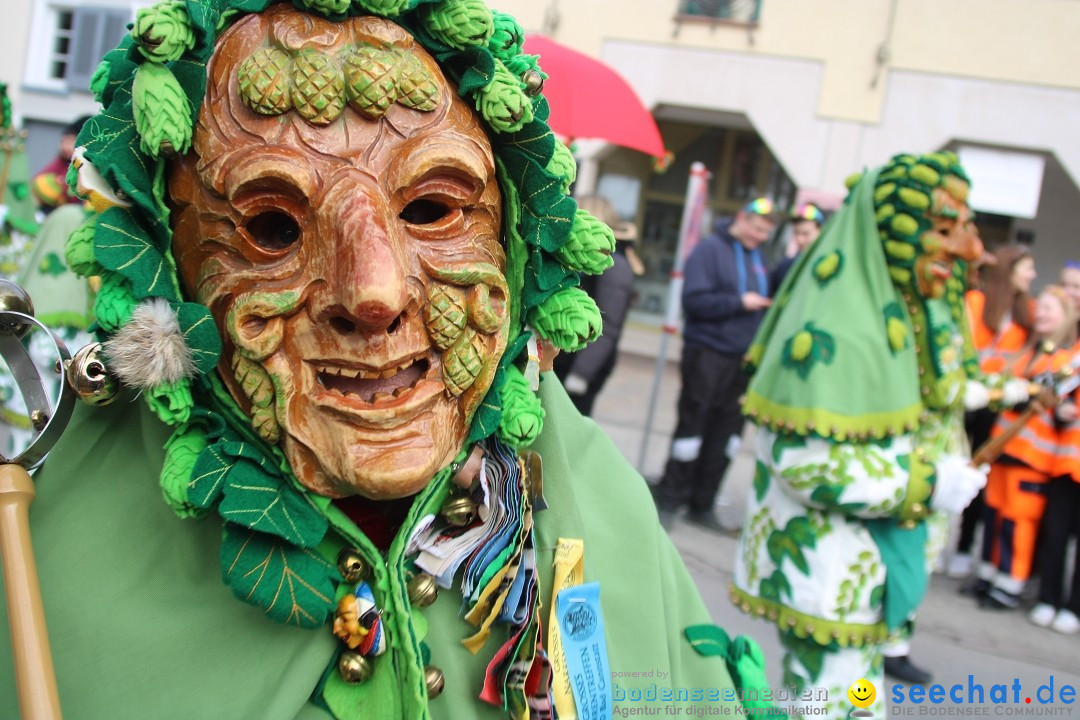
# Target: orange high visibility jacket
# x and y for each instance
(1068, 456)
(1037, 443)
(992, 347)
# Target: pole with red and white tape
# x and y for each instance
(693, 216)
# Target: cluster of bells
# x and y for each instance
(354, 667)
(86, 372)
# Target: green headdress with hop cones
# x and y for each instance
(151, 88)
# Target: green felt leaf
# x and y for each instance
(208, 476)
(123, 246)
(708, 640)
(112, 145)
(200, 335)
(828, 496)
(761, 480)
(292, 585)
(801, 531)
(263, 501)
(780, 544)
(877, 596)
(785, 442)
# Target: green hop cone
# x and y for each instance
(801, 345)
(904, 224)
(171, 401)
(563, 165)
(503, 103)
(371, 80)
(99, 80)
(590, 245)
(79, 251)
(318, 87)
(114, 302)
(569, 319)
(263, 81)
(416, 88)
(163, 32)
(181, 450)
(523, 416)
(162, 112)
(460, 23)
(389, 8)
(897, 332)
(507, 36)
(331, 8)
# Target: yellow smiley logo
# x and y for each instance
(862, 693)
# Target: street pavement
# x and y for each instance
(954, 637)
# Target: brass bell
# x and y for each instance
(14, 299)
(459, 510)
(89, 378)
(422, 590)
(534, 82)
(433, 678)
(353, 667)
(351, 565)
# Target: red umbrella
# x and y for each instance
(591, 100)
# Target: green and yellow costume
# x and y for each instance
(857, 393)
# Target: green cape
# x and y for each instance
(143, 626)
(851, 380)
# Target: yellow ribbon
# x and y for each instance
(569, 571)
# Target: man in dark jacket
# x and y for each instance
(724, 298)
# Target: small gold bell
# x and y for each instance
(89, 378)
(459, 510)
(14, 299)
(351, 565)
(534, 82)
(353, 667)
(433, 678)
(422, 590)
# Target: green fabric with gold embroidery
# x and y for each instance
(822, 359)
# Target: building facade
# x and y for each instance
(783, 98)
(788, 97)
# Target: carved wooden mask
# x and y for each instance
(339, 215)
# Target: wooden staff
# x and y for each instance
(34, 674)
(991, 450)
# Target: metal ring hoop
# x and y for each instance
(33, 390)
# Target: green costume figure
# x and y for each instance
(860, 373)
(329, 237)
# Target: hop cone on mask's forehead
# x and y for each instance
(417, 88)
(264, 81)
(445, 314)
(318, 91)
(371, 81)
(463, 362)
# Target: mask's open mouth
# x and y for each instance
(941, 270)
(371, 386)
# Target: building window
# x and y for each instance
(736, 11)
(69, 42)
(61, 45)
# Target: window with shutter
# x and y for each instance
(94, 31)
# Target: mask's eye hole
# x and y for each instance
(424, 212)
(273, 231)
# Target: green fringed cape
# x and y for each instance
(853, 382)
(142, 625)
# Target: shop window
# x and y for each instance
(735, 11)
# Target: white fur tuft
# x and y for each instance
(150, 349)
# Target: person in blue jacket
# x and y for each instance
(725, 295)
